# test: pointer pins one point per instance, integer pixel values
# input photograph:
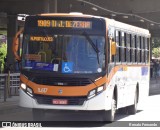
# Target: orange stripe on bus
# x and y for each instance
(101, 81)
(67, 90)
(23, 79)
(113, 72)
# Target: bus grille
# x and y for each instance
(58, 81)
(71, 100)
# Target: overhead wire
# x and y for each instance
(119, 13)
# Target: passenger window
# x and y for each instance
(137, 49)
(133, 49)
(140, 49)
(122, 46)
(117, 39)
(128, 48)
(147, 50)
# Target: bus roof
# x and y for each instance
(76, 14)
(110, 22)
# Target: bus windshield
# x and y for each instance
(62, 53)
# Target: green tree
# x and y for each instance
(156, 52)
(3, 53)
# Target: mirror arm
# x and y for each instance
(15, 44)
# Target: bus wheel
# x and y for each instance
(110, 115)
(133, 108)
(38, 114)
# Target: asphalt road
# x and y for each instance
(149, 111)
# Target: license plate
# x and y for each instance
(60, 101)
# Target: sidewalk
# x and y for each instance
(154, 86)
(10, 106)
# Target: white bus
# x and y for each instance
(82, 62)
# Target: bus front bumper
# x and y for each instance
(99, 102)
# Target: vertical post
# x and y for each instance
(52, 6)
(151, 68)
(5, 88)
(55, 6)
(0, 67)
(150, 48)
(11, 31)
(8, 84)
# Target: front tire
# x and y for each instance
(110, 115)
(38, 114)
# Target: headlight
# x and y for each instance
(99, 89)
(23, 86)
(96, 91)
(27, 89)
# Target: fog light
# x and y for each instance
(92, 94)
(29, 91)
(23, 86)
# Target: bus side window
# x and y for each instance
(133, 49)
(125, 47)
(130, 47)
(138, 48)
(147, 50)
(122, 46)
(145, 43)
(117, 37)
(143, 53)
(142, 50)
(128, 50)
(136, 53)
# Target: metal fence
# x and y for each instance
(9, 85)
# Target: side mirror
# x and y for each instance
(113, 48)
(15, 44)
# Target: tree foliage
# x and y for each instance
(156, 47)
(3, 53)
(155, 42)
(156, 52)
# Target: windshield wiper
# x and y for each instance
(92, 44)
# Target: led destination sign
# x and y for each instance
(65, 24)
(41, 39)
